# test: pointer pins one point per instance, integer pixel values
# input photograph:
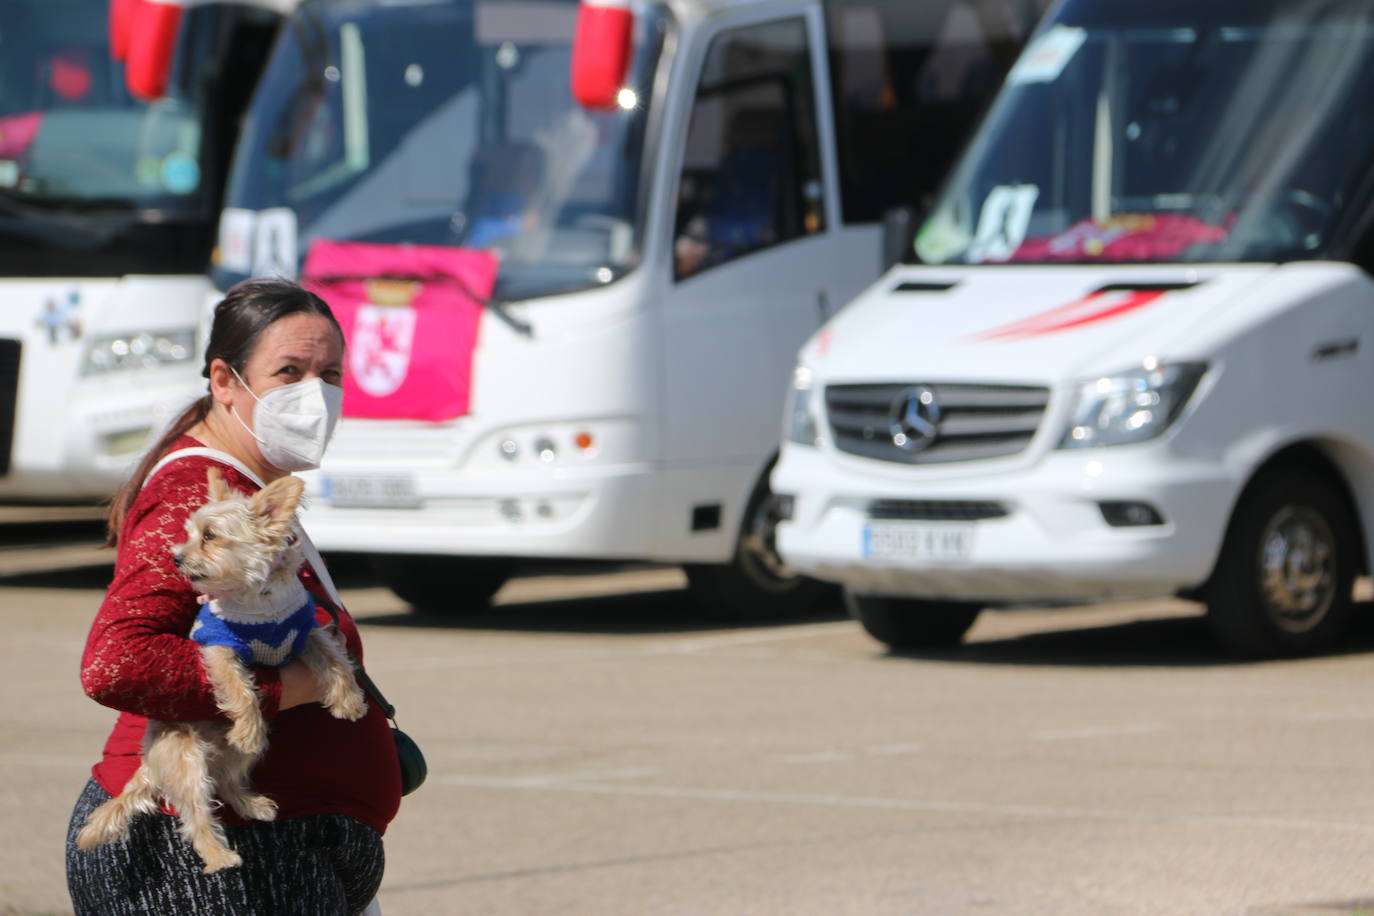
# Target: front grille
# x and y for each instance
(936, 510)
(9, 393)
(975, 421)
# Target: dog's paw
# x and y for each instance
(348, 704)
(248, 736)
(259, 808)
(220, 858)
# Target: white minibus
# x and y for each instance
(1131, 350)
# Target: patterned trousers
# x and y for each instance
(320, 865)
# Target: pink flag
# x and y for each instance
(410, 315)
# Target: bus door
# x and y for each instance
(752, 270)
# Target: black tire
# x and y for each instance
(435, 584)
(911, 623)
(1282, 584)
(757, 583)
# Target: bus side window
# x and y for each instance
(751, 168)
(909, 83)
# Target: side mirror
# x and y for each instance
(898, 226)
(601, 52)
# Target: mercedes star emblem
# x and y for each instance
(915, 419)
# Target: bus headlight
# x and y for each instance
(138, 350)
(801, 425)
(1131, 406)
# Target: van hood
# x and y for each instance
(1026, 325)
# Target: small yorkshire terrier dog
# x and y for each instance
(242, 556)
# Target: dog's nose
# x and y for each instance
(176, 561)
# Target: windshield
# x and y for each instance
(1168, 131)
(93, 181)
(442, 123)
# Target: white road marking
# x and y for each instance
(903, 804)
(1098, 731)
(816, 757)
(683, 646)
(896, 750)
(1353, 715)
(839, 755)
(753, 636)
(577, 777)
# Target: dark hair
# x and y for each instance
(246, 310)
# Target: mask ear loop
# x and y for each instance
(235, 414)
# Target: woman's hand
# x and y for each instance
(298, 685)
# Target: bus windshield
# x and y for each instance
(446, 122)
(95, 182)
(1171, 131)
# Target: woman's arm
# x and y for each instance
(138, 656)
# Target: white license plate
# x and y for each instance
(921, 543)
(371, 492)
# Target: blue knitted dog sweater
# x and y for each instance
(274, 642)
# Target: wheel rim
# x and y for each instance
(1298, 574)
(758, 555)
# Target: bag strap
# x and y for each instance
(364, 681)
(312, 556)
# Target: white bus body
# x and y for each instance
(626, 381)
(1130, 353)
(108, 210)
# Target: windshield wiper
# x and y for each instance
(47, 205)
(491, 303)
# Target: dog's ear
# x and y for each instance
(277, 501)
(214, 481)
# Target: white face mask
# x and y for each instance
(293, 423)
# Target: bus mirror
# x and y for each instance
(151, 44)
(121, 26)
(601, 52)
(897, 229)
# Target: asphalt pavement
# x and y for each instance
(597, 746)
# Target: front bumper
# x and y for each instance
(1053, 545)
(586, 513)
(85, 449)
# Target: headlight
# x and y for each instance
(1131, 406)
(801, 420)
(138, 350)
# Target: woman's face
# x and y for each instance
(293, 349)
(296, 348)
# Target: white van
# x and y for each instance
(112, 163)
(1131, 352)
(661, 256)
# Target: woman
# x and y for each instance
(274, 364)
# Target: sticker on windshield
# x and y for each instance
(1002, 224)
(180, 174)
(274, 244)
(1047, 56)
(236, 239)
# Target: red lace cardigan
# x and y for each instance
(140, 661)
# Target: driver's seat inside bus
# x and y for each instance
(504, 182)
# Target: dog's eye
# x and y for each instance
(208, 534)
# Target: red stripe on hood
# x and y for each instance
(1087, 310)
